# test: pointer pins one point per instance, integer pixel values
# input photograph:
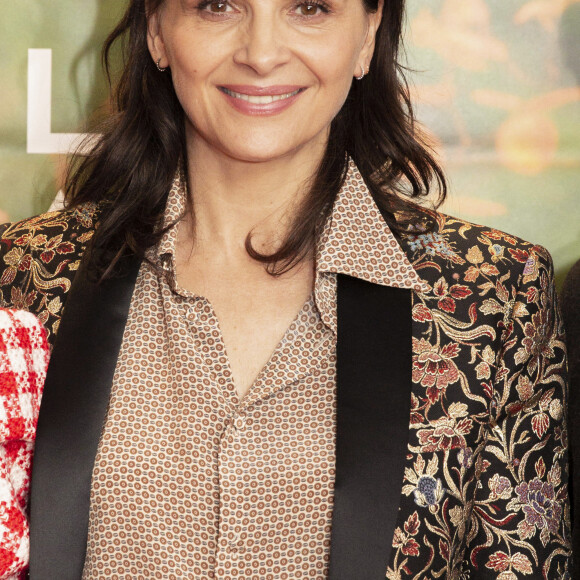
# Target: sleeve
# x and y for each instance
(23, 362)
(520, 524)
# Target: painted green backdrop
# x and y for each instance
(496, 83)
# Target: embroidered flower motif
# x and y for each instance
(52, 247)
(433, 244)
(531, 267)
(465, 457)
(429, 491)
(536, 343)
(17, 261)
(519, 255)
(524, 388)
(502, 562)
(434, 368)
(499, 235)
(447, 434)
(500, 487)
(485, 269)
(403, 540)
(537, 499)
(85, 214)
(448, 295)
(416, 415)
(496, 251)
(22, 301)
(484, 368)
(405, 543)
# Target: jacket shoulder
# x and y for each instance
(39, 257)
(460, 250)
(65, 221)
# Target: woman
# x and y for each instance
(271, 362)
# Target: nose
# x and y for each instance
(262, 46)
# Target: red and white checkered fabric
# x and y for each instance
(24, 355)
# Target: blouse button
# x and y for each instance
(239, 423)
(234, 540)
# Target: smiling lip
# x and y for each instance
(253, 100)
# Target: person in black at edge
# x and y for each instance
(571, 312)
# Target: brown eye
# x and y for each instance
(218, 7)
(308, 9)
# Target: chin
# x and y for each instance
(260, 153)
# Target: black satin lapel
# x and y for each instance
(73, 409)
(373, 406)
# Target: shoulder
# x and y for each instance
(23, 341)
(473, 254)
(32, 232)
(39, 257)
(18, 322)
(24, 354)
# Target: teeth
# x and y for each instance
(259, 100)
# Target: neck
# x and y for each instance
(232, 198)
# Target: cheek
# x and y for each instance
(334, 65)
(186, 57)
(335, 55)
(190, 66)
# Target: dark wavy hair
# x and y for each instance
(130, 170)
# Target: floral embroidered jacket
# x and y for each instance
(484, 493)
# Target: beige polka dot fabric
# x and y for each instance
(356, 241)
(189, 482)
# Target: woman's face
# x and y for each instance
(260, 79)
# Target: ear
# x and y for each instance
(368, 48)
(155, 38)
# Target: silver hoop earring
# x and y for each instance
(362, 74)
(160, 68)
